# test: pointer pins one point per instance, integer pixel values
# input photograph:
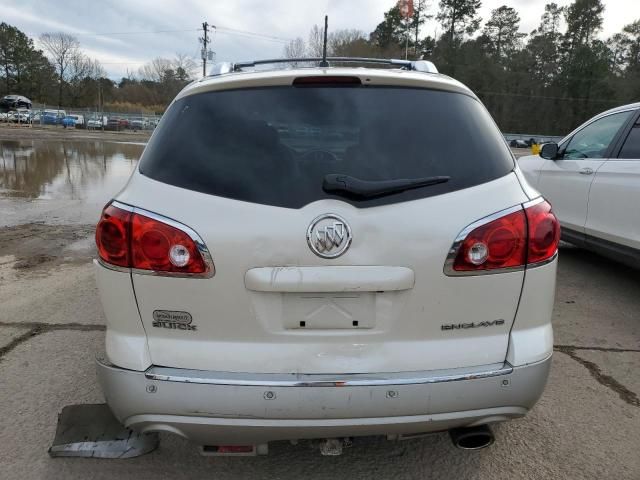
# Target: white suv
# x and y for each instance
(322, 253)
(593, 179)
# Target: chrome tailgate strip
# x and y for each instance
(325, 380)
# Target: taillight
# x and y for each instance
(163, 248)
(513, 239)
(112, 236)
(134, 238)
(500, 243)
(544, 232)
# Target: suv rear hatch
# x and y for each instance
(245, 169)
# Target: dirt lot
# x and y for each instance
(587, 424)
(47, 132)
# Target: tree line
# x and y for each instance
(60, 74)
(544, 82)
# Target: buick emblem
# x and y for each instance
(329, 236)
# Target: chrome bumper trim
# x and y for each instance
(323, 380)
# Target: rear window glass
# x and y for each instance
(631, 147)
(275, 145)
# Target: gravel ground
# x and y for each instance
(586, 425)
(46, 132)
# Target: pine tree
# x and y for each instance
(502, 32)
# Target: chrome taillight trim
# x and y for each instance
(109, 266)
(543, 262)
(453, 251)
(457, 243)
(533, 202)
(200, 245)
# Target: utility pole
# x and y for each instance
(205, 52)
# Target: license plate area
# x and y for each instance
(328, 311)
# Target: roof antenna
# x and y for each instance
(324, 62)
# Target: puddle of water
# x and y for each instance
(85, 171)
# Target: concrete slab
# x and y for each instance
(597, 302)
(61, 293)
(8, 334)
(623, 366)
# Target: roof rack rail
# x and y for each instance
(415, 65)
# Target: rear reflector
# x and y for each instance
(234, 450)
(522, 236)
(147, 242)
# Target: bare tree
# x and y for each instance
(62, 48)
(295, 49)
(185, 66)
(346, 42)
(316, 41)
(341, 43)
(82, 75)
(156, 70)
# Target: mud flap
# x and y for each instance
(91, 431)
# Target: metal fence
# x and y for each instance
(527, 137)
(88, 113)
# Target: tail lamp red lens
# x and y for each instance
(526, 236)
(130, 239)
(544, 232)
(502, 243)
(112, 236)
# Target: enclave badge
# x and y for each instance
(456, 326)
(173, 320)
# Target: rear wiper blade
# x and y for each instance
(351, 186)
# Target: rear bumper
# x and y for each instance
(212, 408)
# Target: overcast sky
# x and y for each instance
(278, 20)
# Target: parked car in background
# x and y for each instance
(116, 123)
(78, 120)
(14, 102)
(69, 122)
(97, 121)
(342, 280)
(138, 123)
(20, 116)
(52, 117)
(4, 117)
(519, 144)
(592, 177)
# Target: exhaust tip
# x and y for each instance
(472, 438)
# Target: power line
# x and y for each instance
(222, 29)
(106, 34)
(247, 33)
(123, 63)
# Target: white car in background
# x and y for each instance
(96, 121)
(592, 178)
(138, 123)
(20, 116)
(353, 272)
